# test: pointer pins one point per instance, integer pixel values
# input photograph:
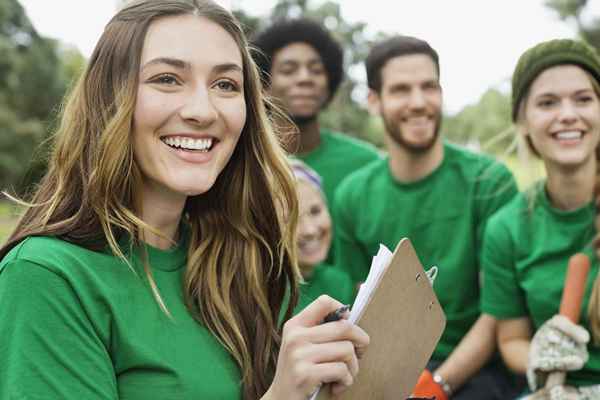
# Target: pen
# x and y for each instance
(336, 315)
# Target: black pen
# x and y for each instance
(336, 315)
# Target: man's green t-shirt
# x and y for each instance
(337, 156)
(442, 214)
(78, 324)
(524, 258)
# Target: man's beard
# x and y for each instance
(394, 131)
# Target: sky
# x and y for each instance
(478, 41)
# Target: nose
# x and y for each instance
(417, 99)
(304, 75)
(568, 112)
(307, 228)
(198, 108)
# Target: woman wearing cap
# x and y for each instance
(314, 240)
(527, 244)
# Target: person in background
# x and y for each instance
(302, 67)
(438, 195)
(314, 240)
(527, 245)
(152, 261)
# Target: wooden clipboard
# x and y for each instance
(404, 321)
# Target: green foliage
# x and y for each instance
(574, 10)
(485, 124)
(34, 74)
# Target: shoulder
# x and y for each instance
(356, 181)
(349, 143)
(511, 214)
(56, 255)
(477, 162)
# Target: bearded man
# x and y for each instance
(439, 196)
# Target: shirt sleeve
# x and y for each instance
(350, 255)
(501, 294)
(496, 187)
(49, 347)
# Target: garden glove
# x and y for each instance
(559, 345)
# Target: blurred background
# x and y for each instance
(44, 46)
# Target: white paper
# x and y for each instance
(378, 266)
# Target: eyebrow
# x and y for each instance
(552, 94)
(174, 62)
(180, 64)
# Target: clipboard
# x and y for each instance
(404, 321)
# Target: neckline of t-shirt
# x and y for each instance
(325, 135)
(581, 214)
(423, 181)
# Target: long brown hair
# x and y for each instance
(241, 258)
(594, 304)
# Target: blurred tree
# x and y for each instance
(576, 10)
(485, 125)
(344, 113)
(34, 74)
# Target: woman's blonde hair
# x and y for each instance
(594, 304)
(241, 257)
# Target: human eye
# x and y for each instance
(315, 210)
(400, 89)
(317, 69)
(165, 79)
(584, 99)
(226, 85)
(546, 102)
(431, 86)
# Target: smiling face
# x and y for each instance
(299, 80)
(314, 226)
(190, 107)
(562, 116)
(410, 101)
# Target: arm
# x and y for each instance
(350, 255)
(49, 347)
(514, 338)
(472, 353)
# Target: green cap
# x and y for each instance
(549, 54)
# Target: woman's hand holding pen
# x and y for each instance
(313, 353)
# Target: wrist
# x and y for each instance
(437, 378)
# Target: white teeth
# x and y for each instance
(310, 245)
(568, 135)
(189, 143)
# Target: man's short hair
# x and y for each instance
(395, 46)
(303, 30)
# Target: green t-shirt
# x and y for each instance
(442, 214)
(78, 324)
(327, 280)
(525, 256)
(337, 156)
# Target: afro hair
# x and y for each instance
(304, 30)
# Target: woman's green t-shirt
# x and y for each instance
(525, 255)
(78, 324)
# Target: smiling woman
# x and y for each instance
(153, 260)
(528, 244)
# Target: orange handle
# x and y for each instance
(572, 296)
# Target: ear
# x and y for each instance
(521, 129)
(374, 103)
